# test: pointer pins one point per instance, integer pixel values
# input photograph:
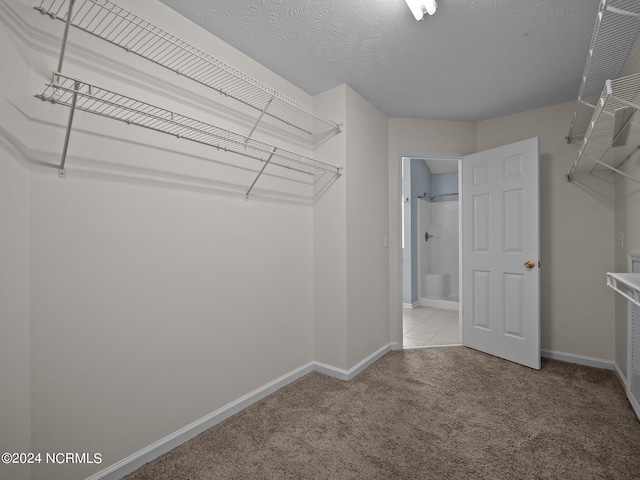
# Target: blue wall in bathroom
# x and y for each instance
(406, 249)
(417, 180)
(445, 183)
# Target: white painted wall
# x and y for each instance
(151, 308)
(330, 241)
(350, 260)
(15, 398)
(146, 292)
(15, 385)
(576, 233)
(367, 226)
(158, 294)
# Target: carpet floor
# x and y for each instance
(439, 413)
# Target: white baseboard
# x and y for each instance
(411, 305)
(598, 363)
(589, 362)
(136, 460)
(621, 376)
(634, 404)
(342, 374)
(630, 396)
(439, 303)
(579, 359)
(153, 451)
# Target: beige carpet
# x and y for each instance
(443, 413)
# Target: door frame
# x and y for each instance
(395, 224)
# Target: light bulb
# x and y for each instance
(420, 7)
(416, 8)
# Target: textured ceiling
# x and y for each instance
(472, 60)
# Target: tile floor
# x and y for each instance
(430, 327)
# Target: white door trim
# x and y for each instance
(395, 234)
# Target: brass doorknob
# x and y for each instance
(529, 264)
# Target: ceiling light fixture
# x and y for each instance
(420, 7)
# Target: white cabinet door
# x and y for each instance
(500, 244)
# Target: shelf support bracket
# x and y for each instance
(621, 130)
(630, 292)
(65, 36)
(620, 11)
(61, 172)
(246, 197)
(613, 169)
(262, 112)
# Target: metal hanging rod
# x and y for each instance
(432, 196)
(614, 36)
(110, 22)
(90, 98)
(612, 137)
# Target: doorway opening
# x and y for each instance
(430, 252)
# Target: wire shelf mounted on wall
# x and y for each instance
(78, 95)
(118, 26)
(112, 23)
(613, 136)
(614, 36)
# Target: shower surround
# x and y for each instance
(438, 256)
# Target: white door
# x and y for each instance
(500, 245)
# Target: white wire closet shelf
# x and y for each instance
(90, 98)
(613, 135)
(614, 36)
(110, 22)
(626, 284)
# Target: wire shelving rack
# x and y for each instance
(613, 136)
(615, 33)
(112, 23)
(78, 95)
(120, 27)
